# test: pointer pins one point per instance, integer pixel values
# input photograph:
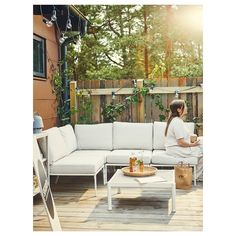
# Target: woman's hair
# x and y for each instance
(174, 105)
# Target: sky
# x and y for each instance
(219, 114)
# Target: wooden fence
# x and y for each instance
(99, 93)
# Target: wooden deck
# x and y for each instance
(133, 209)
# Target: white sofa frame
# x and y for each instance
(94, 177)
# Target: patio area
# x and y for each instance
(99, 105)
(133, 209)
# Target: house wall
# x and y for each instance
(44, 101)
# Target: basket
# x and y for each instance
(147, 171)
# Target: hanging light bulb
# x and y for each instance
(49, 23)
(177, 94)
(113, 95)
(54, 15)
(62, 39)
(68, 24)
(134, 83)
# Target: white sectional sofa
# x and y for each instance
(88, 149)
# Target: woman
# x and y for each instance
(178, 136)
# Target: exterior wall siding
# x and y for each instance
(44, 101)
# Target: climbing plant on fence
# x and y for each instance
(84, 108)
(113, 110)
(57, 87)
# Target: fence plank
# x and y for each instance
(123, 84)
(87, 84)
(200, 98)
(95, 84)
(129, 110)
(163, 91)
(190, 100)
(148, 109)
(154, 111)
(200, 102)
(80, 84)
(172, 82)
(182, 83)
(96, 109)
(129, 84)
(108, 84)
(141, 111)
(102, 101)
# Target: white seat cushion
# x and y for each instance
(80, 162)
(122, 156)
(68, 134)
(160, 157)
(159, 133)
(127, 135)
(94, 137)
(56, 145)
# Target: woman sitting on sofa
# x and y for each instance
(178, 136)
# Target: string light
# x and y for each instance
(62, 39)
(134, 83)
(113, 95)
(68, 23)
(177, 94)
(53, 18)
(54, 14)
(47, 22)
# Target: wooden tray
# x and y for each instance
(147, 171)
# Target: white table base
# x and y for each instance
(118, 180)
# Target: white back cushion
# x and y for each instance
(96, 136)
(56, 144)
(68, 134)
(128, 135)
(159, 133)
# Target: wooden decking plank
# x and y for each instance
(149, 210)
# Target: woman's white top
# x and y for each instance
(176, 130)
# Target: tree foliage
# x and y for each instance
(115, 46)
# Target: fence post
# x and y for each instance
(141, 102)
(73, 102)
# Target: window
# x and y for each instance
(39, 57)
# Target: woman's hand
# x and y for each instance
(183, 143)
(195, 143)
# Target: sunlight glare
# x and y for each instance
(190, 17)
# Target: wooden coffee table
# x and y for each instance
(162, 179)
